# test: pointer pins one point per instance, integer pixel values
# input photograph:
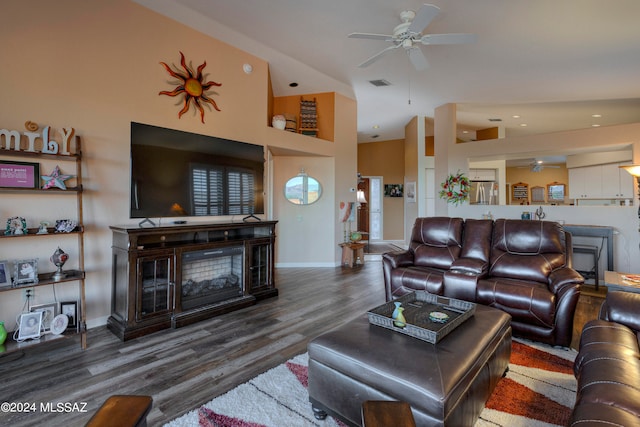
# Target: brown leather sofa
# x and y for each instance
(521, 267)
(607, 367)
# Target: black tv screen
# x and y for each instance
(175, 173)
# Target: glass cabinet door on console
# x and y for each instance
(156, 287)
(259, 270)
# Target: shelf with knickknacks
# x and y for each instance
(63, 150)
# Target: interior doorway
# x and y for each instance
(370, 207)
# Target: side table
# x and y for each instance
(352, 254)
(615, 281)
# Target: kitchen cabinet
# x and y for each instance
(600, 182)
(482, 174)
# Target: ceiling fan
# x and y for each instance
(538, 165)
(408, 35)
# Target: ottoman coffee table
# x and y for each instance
(446, 384)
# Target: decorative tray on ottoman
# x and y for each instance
(428, 317)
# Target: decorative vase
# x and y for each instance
(356, 236)
(400, 321)
(394, 315)
(279, 122)
(3, 333)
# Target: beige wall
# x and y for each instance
(386, 159)
(94, 66)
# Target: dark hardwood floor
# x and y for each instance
(186, 367)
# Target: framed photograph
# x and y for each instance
(49, 311)
(15, 226)
(19, 174)
(30, 324)
(5, 274)
(25, 271)
(393, 190)
(70, 309)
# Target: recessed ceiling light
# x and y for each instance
(595, 125)
(376, 126)
(516, 116)
(523, 124)
(293, 84)
(596, 116)
(465, 131)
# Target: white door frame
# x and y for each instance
(376, 216)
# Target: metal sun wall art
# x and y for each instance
(192, 85)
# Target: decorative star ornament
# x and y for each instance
(55, 179)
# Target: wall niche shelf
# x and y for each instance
(45, 278)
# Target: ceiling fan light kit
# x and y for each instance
(408, 35)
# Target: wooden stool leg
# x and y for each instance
(122, 411)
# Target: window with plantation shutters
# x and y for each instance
(218, 190)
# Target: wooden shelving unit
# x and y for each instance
(46, 279)
(308, 117)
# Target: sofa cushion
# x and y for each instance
(601, 339)
(612, 382)
(527, 302)
(436, 241)
(527, 250)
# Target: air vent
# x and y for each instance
(374, 136)
(495, 120)
(381, 82)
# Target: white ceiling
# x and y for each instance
(552, 62)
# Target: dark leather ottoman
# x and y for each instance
(447, 383)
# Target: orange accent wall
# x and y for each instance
(429, 146)
(326, 111)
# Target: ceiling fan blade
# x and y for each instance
(424, 16)
(370, 36)
(417, 58)
(448, 38)
(375, 57)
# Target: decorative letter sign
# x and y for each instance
(47, 146)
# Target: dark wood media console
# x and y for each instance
(170, 276)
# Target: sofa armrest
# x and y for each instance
(398, 259)
(622, 307)
(562, 277)
(470, 266)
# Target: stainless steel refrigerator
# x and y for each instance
(484, 193)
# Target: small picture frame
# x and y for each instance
(16, 226)
(393, 190)
(70, 309)
(30, 324)
(25, 271)
(19, 174)
(49, 311)
(5, 274)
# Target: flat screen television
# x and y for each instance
(177, 174)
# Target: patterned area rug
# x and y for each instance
(538, 391)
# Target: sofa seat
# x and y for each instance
(607, 367)
(527, 302)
